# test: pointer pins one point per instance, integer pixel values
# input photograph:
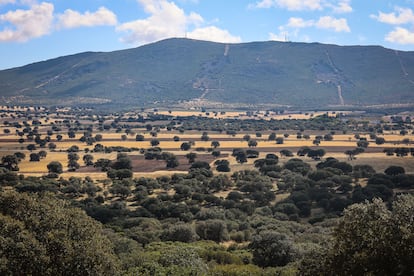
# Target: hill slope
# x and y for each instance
(176, 70)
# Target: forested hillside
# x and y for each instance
(174, 71)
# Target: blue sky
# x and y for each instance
(33, 30)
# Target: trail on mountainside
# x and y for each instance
(208, 89)
(57, 76)
(341, 99)
(405, 73)
(336, 70)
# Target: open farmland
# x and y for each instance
(171, 139)
(163, 180)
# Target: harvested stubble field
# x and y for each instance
(373, 155)
(335, 148)
(245, 115)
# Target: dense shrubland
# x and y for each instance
(267, 218)
(282, 216)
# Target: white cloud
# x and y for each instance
(400, 16)
(289, 4)
(27, 24)
(401, 36)
(338, 6)
(215, 34)
(297, 22)
(328, 22)
(324, 22)
(189, 1)
(73, 19)
(343, 6)
(286, 35)
(264, 4)
(167, 20)
(4, 2)
(277, 37)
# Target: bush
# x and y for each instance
(270, 248)
(45, 236)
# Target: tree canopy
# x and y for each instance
(40, 235)
(370, 239)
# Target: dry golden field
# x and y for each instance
(335, 148)
(244, 115)
(376, 159)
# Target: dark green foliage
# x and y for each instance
(215, 144)
(241, 155)
(10, 162)
(222, 165)
(73, 161)
(8, 178)
(185, 146)
(122, 162)
(119, 174)
(103, 163)
(370, 239)
(334, 163)
(34, 157)
(316, 154)
(88, 159)
(363, 171)
(154, 142)
(191, 156)
(200, 165)
(139, 137)
(180, 232)
(271, 248)
(297, 165)
(214, 229)
(55, 167)
(394, 170)
(43, 236)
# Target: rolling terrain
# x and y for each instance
(175, 72)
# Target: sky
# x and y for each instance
(32, 31)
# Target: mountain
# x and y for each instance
(178, 71)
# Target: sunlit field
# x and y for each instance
(165, 139)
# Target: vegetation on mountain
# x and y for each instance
(176, 70)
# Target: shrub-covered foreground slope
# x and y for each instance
(188, 233)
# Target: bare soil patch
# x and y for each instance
(140, 164)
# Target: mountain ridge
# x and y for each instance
(176, 71)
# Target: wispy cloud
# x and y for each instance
(343, 6)
(3, 2)
(338, 6)
(292, 5)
